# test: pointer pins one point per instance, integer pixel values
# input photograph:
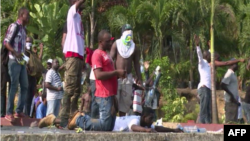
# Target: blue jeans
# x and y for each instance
(205, 104)
(106, 121)
(18, 74)
(94, 106)
(53, 106)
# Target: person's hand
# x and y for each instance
(121, 73)
(146, 65)
(18, 55)
(150, 130)
(41, 45)
(59, 89)
(233, 100)
(196, 40)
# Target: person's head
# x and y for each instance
(29, 42)
(147, 117)
(49, 64)
(55, 64)
(23, 15)
(44, 98)
(234, 67)
(207, 56)
(104, 40)
(72, 2)
(40, 91)
(208, 43)
(126, 27)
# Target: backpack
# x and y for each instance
(4, 50)
(35, 65)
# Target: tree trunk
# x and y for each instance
(161, 46)
(214, 102)
(191, 64)
(92, 25)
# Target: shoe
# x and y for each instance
(20, 115)
(10, 118)
(47, 121)
(72, 122)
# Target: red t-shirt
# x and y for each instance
(104, 88)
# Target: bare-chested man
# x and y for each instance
(125, 54)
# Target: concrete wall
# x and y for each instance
(102, 136)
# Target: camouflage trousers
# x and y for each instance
(72, 88)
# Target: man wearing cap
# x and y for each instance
(125, 53)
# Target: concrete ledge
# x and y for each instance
(113, 136)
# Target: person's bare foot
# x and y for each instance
(72, 121)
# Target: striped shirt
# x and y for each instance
(19, 40)
(54, 79)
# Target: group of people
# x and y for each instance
(113, 89)
(234, 107)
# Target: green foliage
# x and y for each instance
(175, 105)
(193, 115)
(48, 21)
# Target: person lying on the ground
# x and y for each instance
(142, 123)
(85, 102)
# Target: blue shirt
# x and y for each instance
(41, 111)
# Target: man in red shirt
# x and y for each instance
(106, 89)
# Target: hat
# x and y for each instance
(41, 89)
(126, 27)
(50, 61)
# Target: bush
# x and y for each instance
(175, 105)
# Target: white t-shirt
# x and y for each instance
(125, 123)
(74, 41)
(54, 79)
(204, 70)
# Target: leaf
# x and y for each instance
(33, 29)
(45, 38)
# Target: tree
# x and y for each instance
(48, 21)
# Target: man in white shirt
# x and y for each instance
(230, 85)
(204, 87)
(74, 51)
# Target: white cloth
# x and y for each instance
(92, 75)
(230, 79)
(204, 70)
(126, 122)
(74, 41)
(54, 79)
(137, 107)
(124, 50)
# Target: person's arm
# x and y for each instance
(227, 63)
(104, 75)
(82, 103)
(41, 52)
(113, 51)
(165, 129)
(199, 54)
(8, 38)
(48, 81)
(137, 128)
(49, 86)
(79, 3)
(137, 65)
